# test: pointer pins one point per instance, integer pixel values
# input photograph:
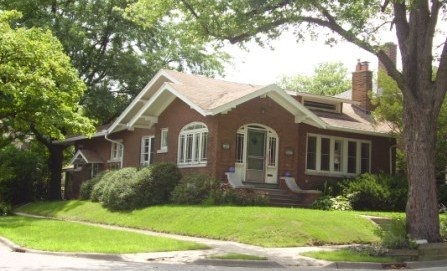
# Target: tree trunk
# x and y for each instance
(55, 162)
(422, 204)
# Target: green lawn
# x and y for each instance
(53, 235)
(264, 226)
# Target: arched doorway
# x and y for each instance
(257, 154)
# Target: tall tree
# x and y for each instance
(114, 56)
(329, 78)
(39, 92)
(415, 23)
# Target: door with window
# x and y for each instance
(256, 143)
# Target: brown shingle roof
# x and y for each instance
(209, 93)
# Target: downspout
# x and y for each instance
(117, 142)
(391, 157)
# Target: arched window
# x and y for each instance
(192, 144)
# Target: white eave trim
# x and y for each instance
(78, 153)
(166, 87)
(139, 98)
(357, 131)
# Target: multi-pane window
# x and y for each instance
(193, 141)
(147, 150)
(164, 140)
(116, 151)
(337, 155)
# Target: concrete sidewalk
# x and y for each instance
(276, 257)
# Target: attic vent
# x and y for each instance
(321, 106)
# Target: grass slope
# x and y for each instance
(53, 235)
(264, 226)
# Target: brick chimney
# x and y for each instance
(390, 50)
(361, 85)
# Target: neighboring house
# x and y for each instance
(261, 133)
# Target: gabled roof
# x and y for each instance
(207, 96)
(86, 157)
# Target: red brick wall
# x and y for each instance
(263, 111)
(175, 117)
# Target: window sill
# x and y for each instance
(162, 151)
(114, 161)
(330, 174)
(191, 165)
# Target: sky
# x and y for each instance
(265, 66)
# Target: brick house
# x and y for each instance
(261, 133)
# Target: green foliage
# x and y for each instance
(120, 192)
(86, 189)
(380, 192)
(23, 175)
(165, 177)
(339, 203)
(5, 209)
(224, 194)
(394, 234)
(328, 79)
(40, 90)
(115, 56)
(193, 189)
(443, 226)
(129, 188)
(98, 188)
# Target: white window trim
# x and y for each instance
(146, 163)
(183, 135)
(331, 171)
(120, 155)
(163, 143)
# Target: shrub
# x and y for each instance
(193, 189)
(86, 189)
(164, 178)
(121, 193)
(23, 175)
(339, 203)
(443, 226)
(225, 194)
(5, 209)
(98, 188)
(377, 192)
(394, 234)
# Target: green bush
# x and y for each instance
(379, 192)
(328, 203)
(394, 234)
(164, 178)
(121, 193)
(86, 189)
(98, 188)
(224, 194)
(5, 209)
(23, 175)
(193, 189)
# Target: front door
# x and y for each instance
(256, 142)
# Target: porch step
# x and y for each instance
(280, 198)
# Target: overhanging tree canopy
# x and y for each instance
(114, 56)
(358, 21)
(39, 91)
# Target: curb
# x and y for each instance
(238, 263)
